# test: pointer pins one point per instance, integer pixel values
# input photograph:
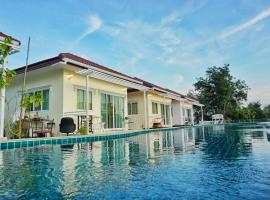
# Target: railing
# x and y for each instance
(238, 121)
(80, 118)
(136, 122)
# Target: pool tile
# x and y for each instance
(24, 143)
(4, 145)
(64, 141)
(48, 141)
(102, 138)
(17, 144)
(30, 143)
(42, 142)
(74, 140)
(11, 145)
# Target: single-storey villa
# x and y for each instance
(163, 105)
(62, 81)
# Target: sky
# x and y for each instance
(170, 43)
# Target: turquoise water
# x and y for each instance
(220, 162)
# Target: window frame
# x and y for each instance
(36, 90)
(155, 113)
(131, 103)
(91, 99)
(113, 110)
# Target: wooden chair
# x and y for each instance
(41, 128)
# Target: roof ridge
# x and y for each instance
(92, 63)
(160, 87)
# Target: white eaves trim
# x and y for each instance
(100, 70)
(109, 78)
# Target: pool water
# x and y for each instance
(218, 162)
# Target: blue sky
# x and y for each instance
(169, 43)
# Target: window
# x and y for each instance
(81, 99)
(154, 108)
(112, 111)
(189, 119)
(133, 108)
(165, 113)
(44, 105)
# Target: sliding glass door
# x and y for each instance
(112, 111)
(165, 114)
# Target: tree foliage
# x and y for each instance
(266, 111)
(220, 92)
(6, 75)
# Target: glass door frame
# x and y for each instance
(113, 109)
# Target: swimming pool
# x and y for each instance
(218, 162)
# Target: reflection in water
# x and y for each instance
(213, 162)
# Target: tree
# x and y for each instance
(256, 110)
(266, 111)
(220, 92)
(6, 75)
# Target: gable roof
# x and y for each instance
(176, 93)
(68, 57)
(151, 85)
(93, 64)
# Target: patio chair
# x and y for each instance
(157, 122)
(49, 126)
(40, 129)
(67, 125)
(26, 127)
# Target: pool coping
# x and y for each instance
(30, 142)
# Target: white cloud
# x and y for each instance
(134, 60)
(178, 79)
(169, 19)
(94, 23)
(262, 15)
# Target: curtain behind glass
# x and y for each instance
(118, 112)
(104, 110)
(168, 114)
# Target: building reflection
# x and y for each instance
(91, 162)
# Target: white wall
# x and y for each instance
(38, 79)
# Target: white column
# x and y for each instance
(87, 105)
(192, 116)
(181, 113)
(202, 114)
(126, 112)
(171, 116)
(2, 103)
(145, 111)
